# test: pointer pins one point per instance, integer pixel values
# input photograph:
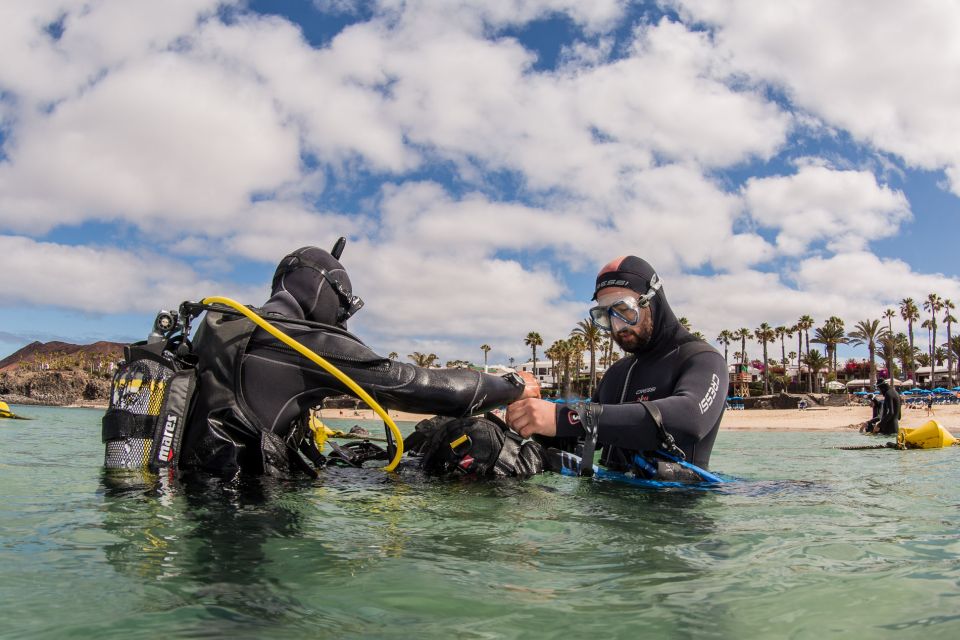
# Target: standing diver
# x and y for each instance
(253, 392)
(663, 395)
(887, 420)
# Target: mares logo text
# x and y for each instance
(169, 428)
(710, 395)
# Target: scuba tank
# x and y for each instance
(149, 399)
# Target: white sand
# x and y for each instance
(814, 419)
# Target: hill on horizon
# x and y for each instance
(63, 355)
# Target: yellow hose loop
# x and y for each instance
(323, 364)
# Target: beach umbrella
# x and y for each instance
(940, 390)
(861, 393)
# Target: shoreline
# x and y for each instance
(837, 419)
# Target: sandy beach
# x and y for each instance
(815, 419)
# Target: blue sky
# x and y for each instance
(484, 159)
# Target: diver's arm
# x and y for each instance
(446, 392)
(690, 413)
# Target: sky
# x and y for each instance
(483, 159)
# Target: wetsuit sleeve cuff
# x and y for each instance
(568, 423)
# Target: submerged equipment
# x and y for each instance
(665, 467)
(474, 446)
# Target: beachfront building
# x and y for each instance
(545, 373)
(864, 384)
(940, 374)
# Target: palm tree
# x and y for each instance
(564, 353)
(783, 332)
(954, 346)
(939, 355)
(949, 320)
(533, 340)
(554, 354)
(887, 348)
(764, 334)
(486, 349)
(910, 313)
(577, 346)
(831, 335)
(684, 323)
(590, 333)
(816, 362)
(804, 324)
(869, 332)
(725, 338)
(889, 314)
(933, 304)
(742, 335)
(927, 361)
(423, 359)
(393, 355)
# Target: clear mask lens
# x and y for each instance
(627, 309)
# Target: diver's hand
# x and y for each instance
(531, 387)
(533, 416)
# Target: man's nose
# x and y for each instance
(617, 323)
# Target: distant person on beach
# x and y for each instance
(886, 419)
(929, 406)
(253, 392)
(666, 387)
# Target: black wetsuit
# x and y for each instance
(252, 390)
(889, 416)
(681, 375)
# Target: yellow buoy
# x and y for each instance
(930, 435)
(6, 413)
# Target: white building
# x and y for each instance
(545, 374)
(941, 376)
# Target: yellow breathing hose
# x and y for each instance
(322, 363)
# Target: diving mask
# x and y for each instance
(349, 303)
(626, 308)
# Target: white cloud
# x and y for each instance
(97, 36)
(228, 142)
(101, 280)
(422, 293)
(848, 209)
(886, 71)
(161, 143)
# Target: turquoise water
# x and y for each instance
(809, 543)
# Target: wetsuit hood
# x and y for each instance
(302, 287)
(636, 273)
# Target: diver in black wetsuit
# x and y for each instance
(887, 419)
(253, 392)
(668, 376)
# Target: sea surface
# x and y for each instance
(808, 542)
